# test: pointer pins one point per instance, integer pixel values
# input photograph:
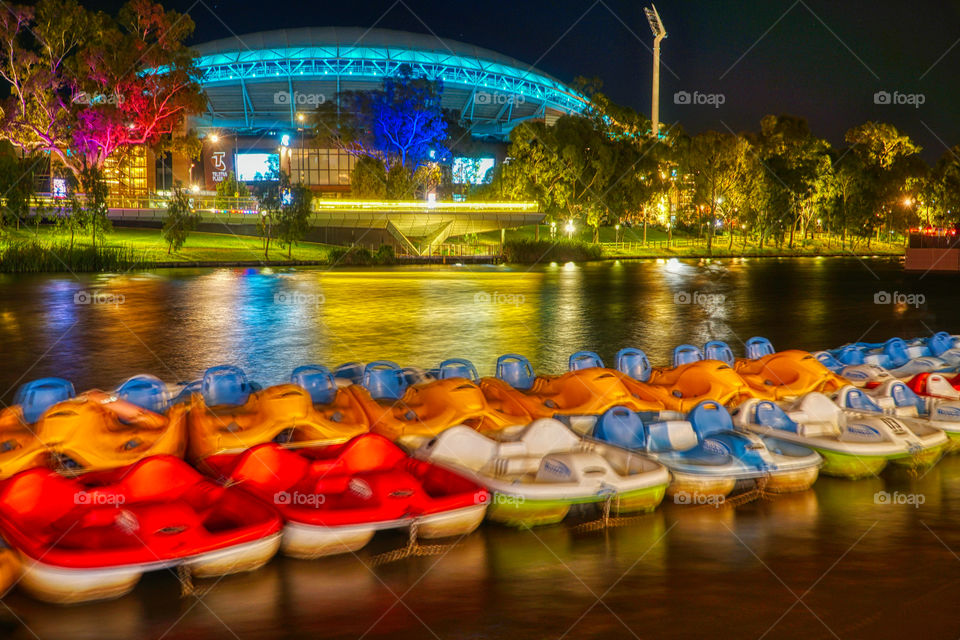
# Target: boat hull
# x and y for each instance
(308, 542)
(71, 586)
(792, 481)
(516, 511)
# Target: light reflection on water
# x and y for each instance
(680, 572)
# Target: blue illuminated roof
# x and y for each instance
(243, 76)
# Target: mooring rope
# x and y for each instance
(413, 550)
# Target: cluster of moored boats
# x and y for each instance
(218, 475)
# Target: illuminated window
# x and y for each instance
(322, 167)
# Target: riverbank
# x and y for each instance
(40, 250)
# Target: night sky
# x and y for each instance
(824, 60)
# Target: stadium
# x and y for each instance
(260, 87)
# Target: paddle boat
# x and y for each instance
(587, 389)
(902, 360)
(785, 374)
(335, 498)
(860, 375)
(538, 474)
(687, 385)
(228, 414)
(852, 444)
(50, 426)
(91, 537)
(704, 454)
(412, 414)
(895, 398)
(936, 385)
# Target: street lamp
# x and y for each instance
(569, 229)
(214, 138)
(659, 33)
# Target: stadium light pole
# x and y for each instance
(659, 33)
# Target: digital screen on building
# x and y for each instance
(472, 170)
(257, 166)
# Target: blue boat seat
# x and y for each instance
(718, 350)
(146, 391)
(896, 351)
(318, 381)
(384, 380)
(769, 414)
(904, 396)
(858, 401)
(634, 363)
(457, 368)
(515, 370)
(584, 360)
(850, 355)
(710, 417)
(939, 342)
(757, 347)
(673, 435)
(826, 359)
(225, 385)
(37, 396)
(352, 371)
(622, 427)
(685, 354)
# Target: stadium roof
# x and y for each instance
(262, 80)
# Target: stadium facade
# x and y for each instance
(261, 88)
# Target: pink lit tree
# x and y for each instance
(85, 86)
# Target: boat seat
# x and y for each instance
(938, 385)
(384, 380)
(856, 400)
(515, 370)
(458, 368)
(463, 446)
(634, 363)
(939, 342)
(685, 354)
(622, 427)
(896, 351)
(547, 435)
(37, 396)
(826, 359)
(850, 355)
(225, 385)
(710, 417)
(146, 391)
(817, 415)
(318, 381)
(584, 360)
(757, 347)
(673, 435)
(718, 350)
(769, 414)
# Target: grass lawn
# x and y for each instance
(200, 247)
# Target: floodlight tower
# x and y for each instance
(659, 33)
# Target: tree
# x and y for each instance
(369, 179)
(17, 184)
(179, 221)
(293, 218)
(84, 85)
(717, 162)
(95, 218)
(400, 123)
